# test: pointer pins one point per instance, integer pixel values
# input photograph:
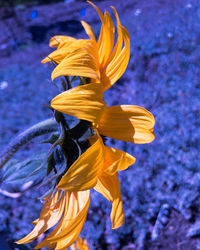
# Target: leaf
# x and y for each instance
(50, 163)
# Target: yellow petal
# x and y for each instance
(55, 41)
(127, 123)
(107, 40)
(68, 229)
(66, 48)
(118, 45)
(114, 70)
(84, 102)
(50, 215)
(88, 30)
(83, 173)
(79, 62)
(117, 214)
(56, 56)
(116, 160)
(109, 187)
(106, 37)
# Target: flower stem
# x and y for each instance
(41, 128)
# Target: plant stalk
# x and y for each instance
(41, 128)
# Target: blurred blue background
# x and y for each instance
(161, 190)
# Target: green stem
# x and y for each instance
(38, 129)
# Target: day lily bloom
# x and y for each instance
(101, 61)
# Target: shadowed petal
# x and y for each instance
(84, 102)
(83, 173)
(109, 187)
(127, 123)
(116, 160)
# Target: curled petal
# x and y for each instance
(84, 102)
(116, 160)
(109, 187)
(127, 123)
(83, 173)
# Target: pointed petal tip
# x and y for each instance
(44, 60)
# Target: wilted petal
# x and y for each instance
(83, 173)
(50, 215)
(116, 160)
(109, 187)
(127, 123)
(84, 102)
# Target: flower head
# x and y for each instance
(100, 60)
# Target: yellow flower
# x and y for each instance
(69, 210)
(97, 168)
(101, 60)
